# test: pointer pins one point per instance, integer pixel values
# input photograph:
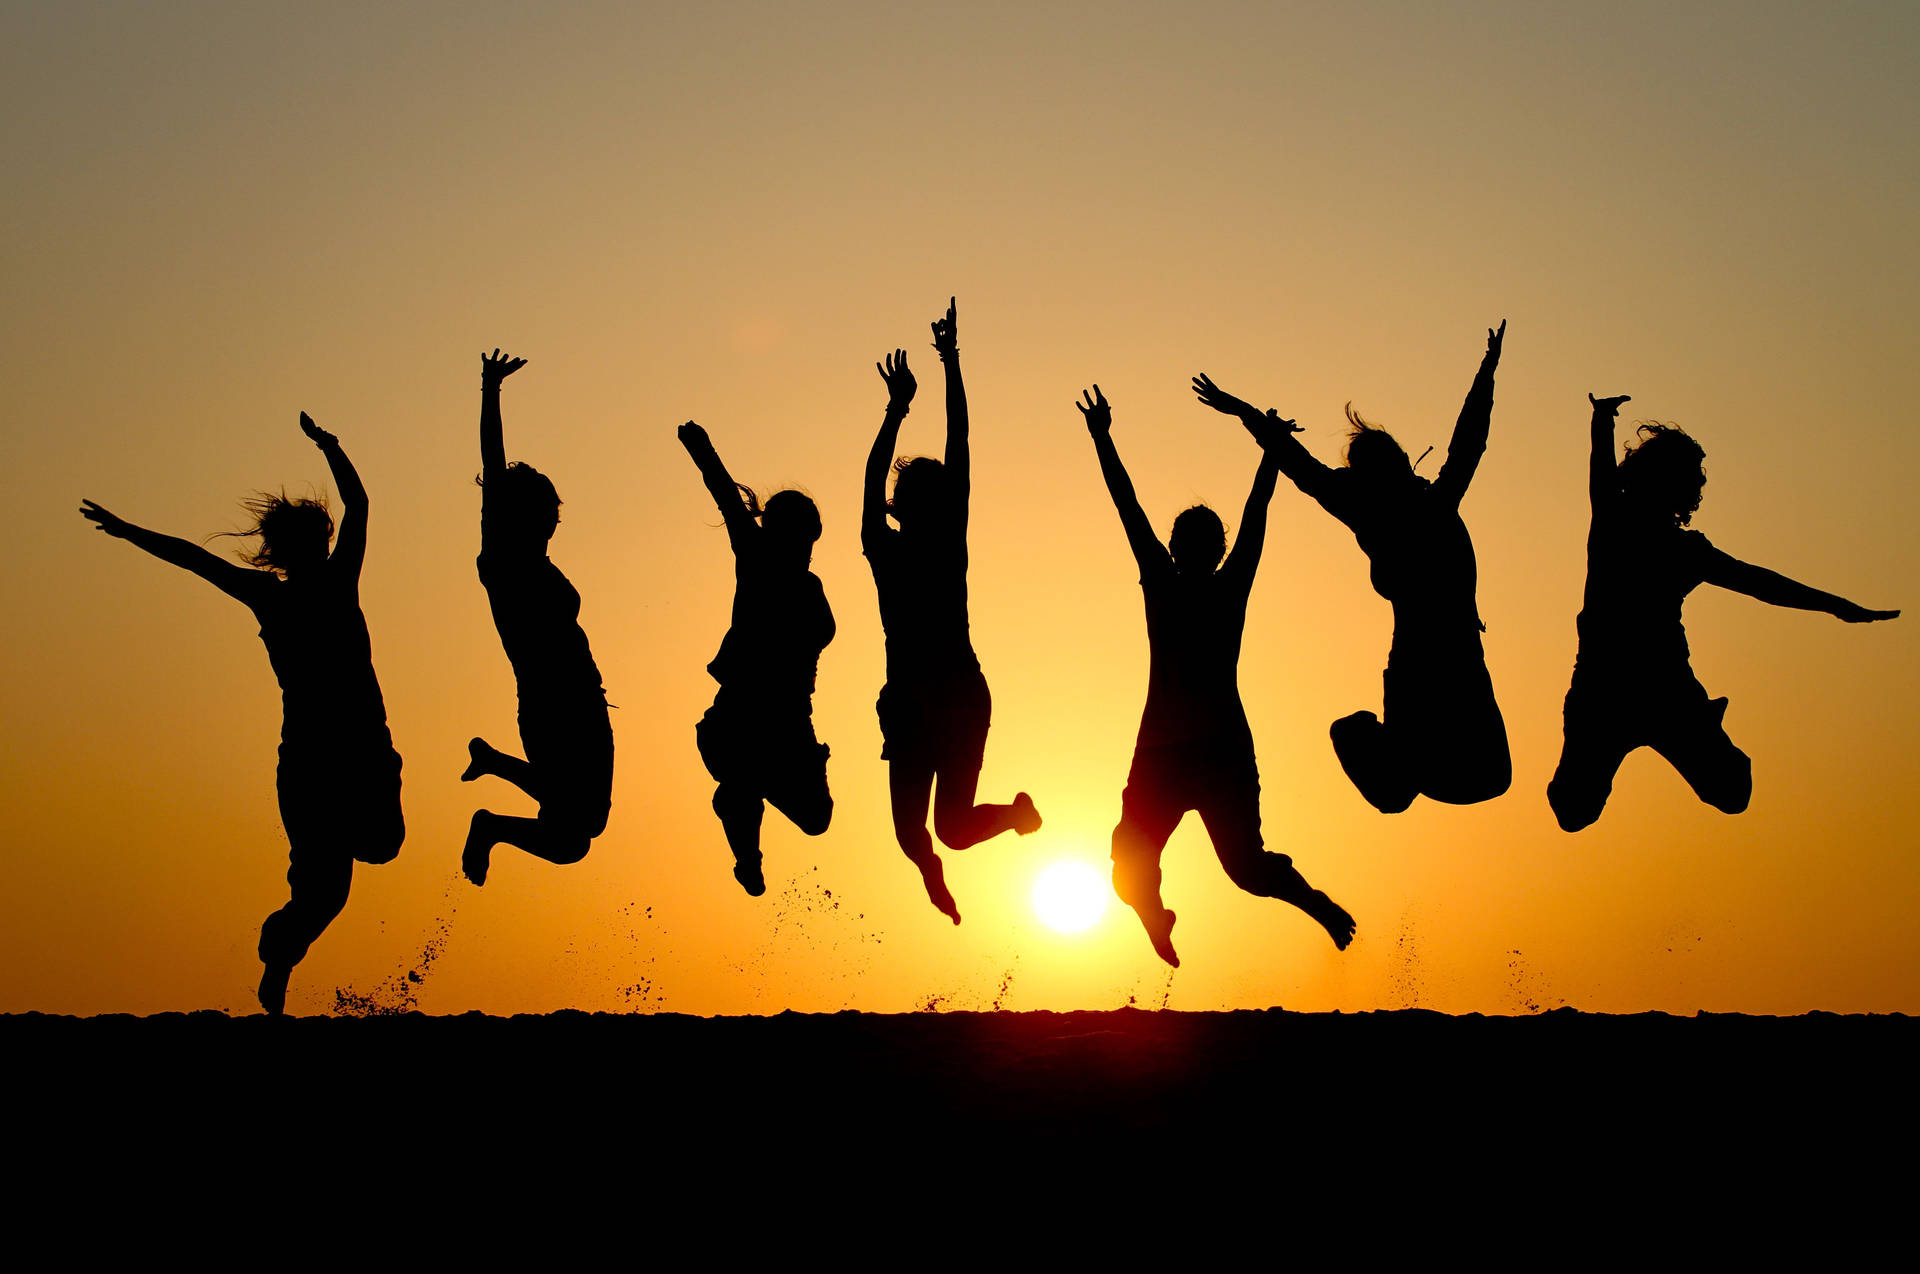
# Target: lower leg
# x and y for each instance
(485, 759)
(740, 812)
(1718, 772)
(319, 885)
(1136, 879)
(909, 790)
(961, 824)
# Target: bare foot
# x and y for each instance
(477, 855)
(751, 878)
(1339, 924)
(479, 753)
(1026, 819)
(934, 876)
(273, 989)
(1160, 932)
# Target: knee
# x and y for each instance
(915, 841)
(1735, 793)
(954, 827)
(382, 845)
(569, 847)
(1136, 871)
(815, 817)
(1574, 811)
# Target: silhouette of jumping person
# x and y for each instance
(1195, 750)
(1439, 733)
(563, 709)
(935, 708)
(339, 776)
(1633, 683)
(757, 739)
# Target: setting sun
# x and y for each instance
(1070, 896)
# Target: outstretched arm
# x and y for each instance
(1245, 558)
(873, 504)
(1275, 434)
(235, 581)
(720, 485)
(1603, 474)
(1777, 590)
(1146, 546)
(494, 368)
(946, 340)
(350, 545)
(1469, 441)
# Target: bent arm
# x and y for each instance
(1469, 441)
(1603, 474)
(1245, 558)
(720, 485)
(873, 486)
(1777, 590)
(350, 546)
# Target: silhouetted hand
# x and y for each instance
(496, 367)
(1608, 406)
(694, 438)
(946, 333)
(1099, 415)
(1494, 338)
(105, 521)
(318, 436)
(899, 379)
(1221, 401)
(1853, 614)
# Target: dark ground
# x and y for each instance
(1492, 1112)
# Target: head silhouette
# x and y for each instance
(1198, 542)
(1663, 474)
(921, 496)
(1373, 455)
(791, 520)
(294, 532)
(523, 508)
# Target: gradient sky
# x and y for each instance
(218, 216)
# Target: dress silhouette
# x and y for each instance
(757, 739)
(563, 709)
(1633, 683)
(935, 708)
(1440, 733)
(1195, 750)
(339, 776)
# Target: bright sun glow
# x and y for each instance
(1070, 896)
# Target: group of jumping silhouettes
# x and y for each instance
(1439, 732)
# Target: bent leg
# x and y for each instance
(1460, 740)
(1148, 815)
(909, 790)
(798, 785)
(1718, 772)
(484, 759)
(1583, 780)
(1370, 756)
(1231, 811)
(959, 822)
(319, 881)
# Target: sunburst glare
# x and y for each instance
(1070, 896)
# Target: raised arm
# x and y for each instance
(1245, 558)
(235, 581)
(1777, 590)
(494, 368)
(959, 462)
(350, 544)
(720, 485)
(1275, 434)
(1146, 546)
(1603, 472)
(1469, 440)
(873, 487)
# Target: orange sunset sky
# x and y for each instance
(218, 216)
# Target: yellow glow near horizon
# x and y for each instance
(1070, 896)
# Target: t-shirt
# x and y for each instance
(922, 583)
(1194, 627)
(316, 639)
(1639, 570)
(780, 624)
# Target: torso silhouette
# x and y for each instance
(537, 612)
(1419, 553)
(316, 639)
(1194, 628)
(921, 579)
(1640, 569)
(780, 624)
